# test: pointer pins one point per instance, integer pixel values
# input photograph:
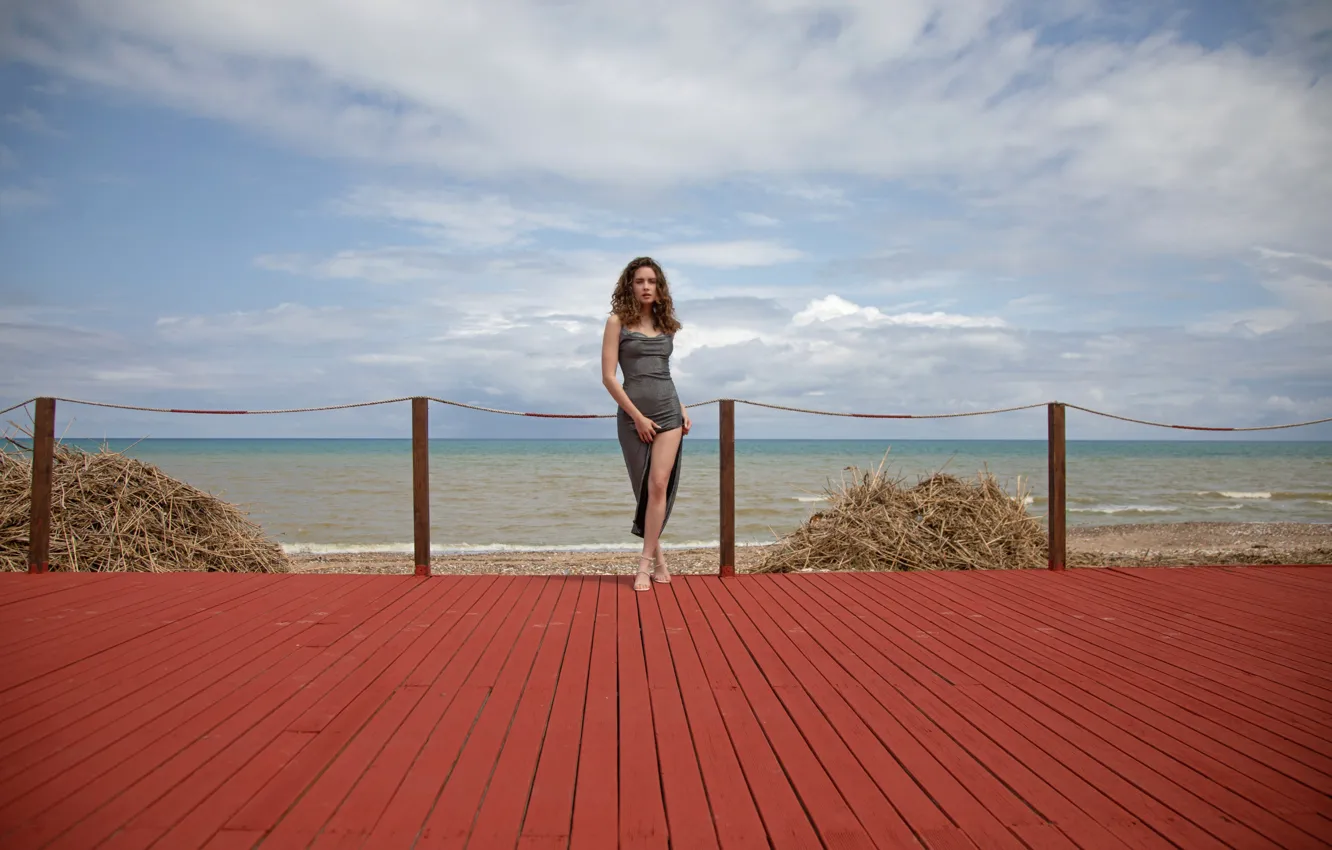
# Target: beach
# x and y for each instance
(1145, 544)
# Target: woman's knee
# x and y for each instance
(657, 485)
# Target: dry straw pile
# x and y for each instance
(875, 522)
(110, 512)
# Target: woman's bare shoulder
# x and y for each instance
(613, 322)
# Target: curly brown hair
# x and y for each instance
(625, 306)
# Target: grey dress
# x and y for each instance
(645, 361)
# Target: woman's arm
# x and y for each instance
(610, 359)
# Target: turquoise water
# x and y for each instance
(355, 495)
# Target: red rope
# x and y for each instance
(697, 404)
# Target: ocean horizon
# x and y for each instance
(340, 495)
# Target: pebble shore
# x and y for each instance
(1157, 544)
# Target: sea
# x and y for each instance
(355, 495)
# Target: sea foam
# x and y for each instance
(483, 549)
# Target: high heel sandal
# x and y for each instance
(644, 574)
(666, 580)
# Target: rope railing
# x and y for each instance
(43, 445)
(761, 404)
(1196, 427)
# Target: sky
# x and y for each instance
(918, 206)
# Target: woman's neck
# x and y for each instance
(645, 318)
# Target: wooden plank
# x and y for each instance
(1291, 721)
(463, 689)
(41, 681)
(301, 797)
(223, 728)
(334, 772)
(235, 839)
(547, 823)
(1130, 708)
(642, 811)
(905, 686)
(1208, 805)
(45, 655)
(894, 781)
(1272, 593)
(917, 765)
(450, 823)
(1252, 629)
(735, 815)
(66, 593)
(820, 770)
(596, 803)
(92, 725)
(1255, 597)
(1209, 670)
(453, 620)
(56, 697)
(15, 589)
(688, 816)
(1248, 640)
(992, 698)
(499, 820)
(228, 781)
(1043, 729)
(785, 817)
(69, 690)
(1104, 654)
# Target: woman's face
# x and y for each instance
(645, 285)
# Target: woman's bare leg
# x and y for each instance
(665, 446)
(660, 568)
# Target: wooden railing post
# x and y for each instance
(1058, 554)
(421, 483)
(726, 435)
(43, 460)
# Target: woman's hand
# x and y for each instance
(688, 423)
(647, 429)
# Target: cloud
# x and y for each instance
(383, 359)
(834, 309)
(728, 255)
(1300, 284)
(392, 264)
(754, 219)
(284, 325)
(988, 166)
(7, 158)
(830, 353)
(17, 199)
(469, 221)
(32, 121)
(1150, 135)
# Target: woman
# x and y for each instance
(651, 422)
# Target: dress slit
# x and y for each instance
(640, 483)
(645, 361)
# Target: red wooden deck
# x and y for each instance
(1094, 708)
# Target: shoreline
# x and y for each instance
(1142, 544)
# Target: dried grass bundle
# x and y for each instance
(875, 522)
(113, 513)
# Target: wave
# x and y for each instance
(485, 548)
(1277, 495)
(1125, 509)
(811, 498)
